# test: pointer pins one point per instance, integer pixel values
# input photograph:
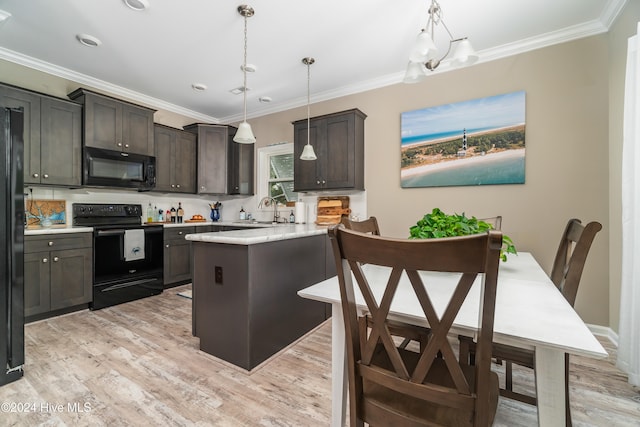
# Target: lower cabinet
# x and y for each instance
(57, 272)
(177, 255)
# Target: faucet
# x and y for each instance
(268, 201)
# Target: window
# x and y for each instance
(276, 173)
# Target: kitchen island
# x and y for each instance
(245, 284)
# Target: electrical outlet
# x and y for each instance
(218, 275)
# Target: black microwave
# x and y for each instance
(108, 168)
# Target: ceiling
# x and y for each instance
(154, 56)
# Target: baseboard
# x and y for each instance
(604, 331)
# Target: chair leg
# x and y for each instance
(508, 368)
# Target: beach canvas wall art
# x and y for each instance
(475, 142)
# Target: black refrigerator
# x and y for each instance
(11, 246)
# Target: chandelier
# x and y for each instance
(425, 55)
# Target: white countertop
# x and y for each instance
(57, 229)
(261, 234)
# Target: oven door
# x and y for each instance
(117, 279)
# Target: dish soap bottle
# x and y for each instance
(149, 213)
(292, 218)
(243, 214)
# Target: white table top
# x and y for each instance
(530, 311)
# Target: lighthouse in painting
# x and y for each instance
(463, 151)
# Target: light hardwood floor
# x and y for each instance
(137, 364)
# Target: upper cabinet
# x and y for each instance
(175, 160)
(224, 167)
(52, 137)
(116, 125)
(338, 141)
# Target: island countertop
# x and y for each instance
(260, 234)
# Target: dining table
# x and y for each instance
(530, 313)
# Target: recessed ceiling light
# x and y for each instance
(249, 67)
(239, 90)
(137, 4)
(199, 87)
(4, 15)
(88, 40)
(265, 99)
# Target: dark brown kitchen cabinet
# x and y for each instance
(175, 160)
(57, 273)
(61, 143)
(52, 137)
(112, 124)
(338, 141)
(224, 166)
(177, 255)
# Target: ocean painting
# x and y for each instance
(475, 142)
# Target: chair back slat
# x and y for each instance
(369, 225)
(378, 367)
(572, 255)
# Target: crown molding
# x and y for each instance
(111, 89)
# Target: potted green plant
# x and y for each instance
(439, 224)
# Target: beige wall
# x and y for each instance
(566, 158)
(623, 28)
(567, 162)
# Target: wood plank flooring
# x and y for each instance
(137, 364)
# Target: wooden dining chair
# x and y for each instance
(494, 221)
(389, 385)
(566, 273)
(369, 225)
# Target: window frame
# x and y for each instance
(264, 154)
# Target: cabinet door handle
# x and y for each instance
(45, 176)
(177, 185)
(324, 182)
(173, 186)
(180, 233)
(202, 187)
(35, 175)
(166, 246)
(45, 260)
(56, 259)
(126, 145)
(318, 182)
(119, 144)
(50, 243)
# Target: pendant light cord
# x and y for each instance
(244, 68)
(308, 102)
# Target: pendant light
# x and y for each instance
(307, 152)
(244, 135)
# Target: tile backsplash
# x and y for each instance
(191, 203)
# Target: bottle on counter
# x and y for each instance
(149, 213)
(243, 214)
(173, 214)
(160, 215)
(156, 218)
(292, 218)
(167, 216)
(180, 212)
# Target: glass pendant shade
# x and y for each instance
(415, 73)
(423, 46)
(464, 54)
(244, 135)
(308, 153)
